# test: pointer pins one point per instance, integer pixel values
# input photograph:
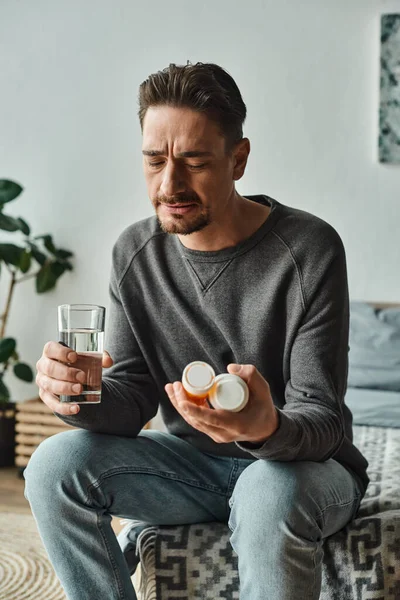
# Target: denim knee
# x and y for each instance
(57, 461)
(271, 496)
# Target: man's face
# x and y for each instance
(189, 175)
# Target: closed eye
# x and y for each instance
(197, 166)
(154, 165)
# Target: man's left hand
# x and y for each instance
(255, 423)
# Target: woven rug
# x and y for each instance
(25, 571)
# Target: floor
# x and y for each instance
(12, 497)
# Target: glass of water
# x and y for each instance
(81, 328)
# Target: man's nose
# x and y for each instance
(172, 181)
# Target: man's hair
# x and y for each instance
(203, 87)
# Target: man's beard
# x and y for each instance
(182, 224)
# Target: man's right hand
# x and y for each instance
(57, 376)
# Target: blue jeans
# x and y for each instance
(279, 513)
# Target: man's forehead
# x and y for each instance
(184, 129)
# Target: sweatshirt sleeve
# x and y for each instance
(311, 424)
(129, 397)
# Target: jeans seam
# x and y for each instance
(233, 472)
(231, 487)
(111, 559)
(96, 484)
(314, 570)
(336, 505)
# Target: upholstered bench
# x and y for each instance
(361, 562)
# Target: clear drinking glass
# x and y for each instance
(81, 328)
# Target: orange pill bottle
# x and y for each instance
(225, 391)
(197, 379)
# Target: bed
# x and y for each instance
(362, 561)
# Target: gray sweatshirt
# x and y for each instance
(277, 300)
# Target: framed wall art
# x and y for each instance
(389, 112)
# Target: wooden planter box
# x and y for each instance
(34, 423)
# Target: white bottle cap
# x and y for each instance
(229, 392)
(198, 378)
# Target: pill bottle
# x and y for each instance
(225, 391)
(197, 379)
(229, 392)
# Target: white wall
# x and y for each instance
(308, 72)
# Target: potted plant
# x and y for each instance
(33, 258)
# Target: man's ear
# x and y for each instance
(240, 153)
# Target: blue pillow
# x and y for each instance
(374, 353)
(378, 408)
(391, 316)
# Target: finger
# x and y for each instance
(107, 360)
(57, 351)
(216, 418)
(251, 376)
(184, 407)
(62, 408)
(57, 387)
(179, 396)
(169, 388)
(219, 419)
(57, 370)
(182, 404)
(218, 435)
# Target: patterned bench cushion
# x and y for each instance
(361, 562)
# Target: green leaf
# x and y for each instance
(48, 242)
(11, 254)
(8, 223)
(63, 253)
(37, 255)
(4, 391)
(25, 261)
(9, 190)
(45, 279)
(24, 372)
(7, 347)
(23, 226)
(15, 355)
(58, 269)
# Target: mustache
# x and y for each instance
(178, 199)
